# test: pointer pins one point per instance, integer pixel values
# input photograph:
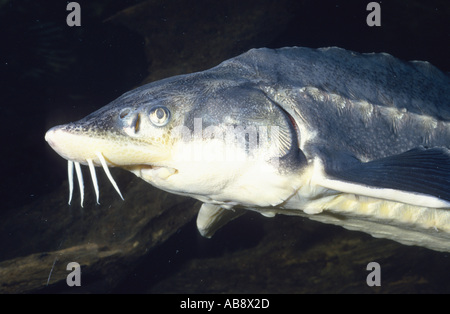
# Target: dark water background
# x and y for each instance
(52, 74)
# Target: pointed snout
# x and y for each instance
(52, 135)
(71, 146)
(79, 144)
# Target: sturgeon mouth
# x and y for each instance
(163, 172)
(136, 169)
(79, 150)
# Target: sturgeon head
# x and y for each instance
(206, 135)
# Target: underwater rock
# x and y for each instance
(40, 239)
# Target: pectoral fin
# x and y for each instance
(212, 217)
(419, 177)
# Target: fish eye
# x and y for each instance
(159, 115)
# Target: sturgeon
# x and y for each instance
(357, 140)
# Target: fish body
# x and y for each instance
(358, 140)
